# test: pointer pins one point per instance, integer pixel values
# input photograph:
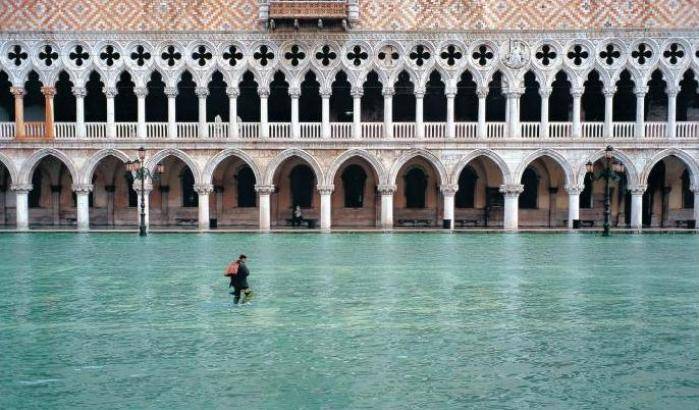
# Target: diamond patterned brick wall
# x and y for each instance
(396, 15)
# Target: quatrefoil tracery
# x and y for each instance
(171, 55)
(451, 54)
(109, 55)
(420, 55)
(201, 55)
(232, 55)
(578, 54)
(357, 55)
(642, 54)
(295, 55)
(17, 55)
(325, 55)
(674, 53)
(546, 55)
(264, 55)
(79, 55)
(609, 54)
(483, 55)
(388, 55)
(48, 55)
(140, 55)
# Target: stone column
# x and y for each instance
(82, 193)
(325, 121)
(450, 93)
(637, 206)
(233, 93)
(110, 93)
(56, 204)
(388, 111)
(419, 113)
(22, 205)
(573, 203)
(386, 192)
(110, 189)
(695, 189)
(80, 93)
(204, 190)
(577, 114)
(640, 111)
(511, 195)
(325, 207)
(264, 192)
(609, 111)
(357, 93)
(49, 92)
(295, 94)
(202, 93)
(264, 122)
(545, 93)
(141, 93)
(171, 93)
(672, 111)
(448, 193)
(482, 127)
(19, 92)
(513, 114)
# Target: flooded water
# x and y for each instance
(350, 321)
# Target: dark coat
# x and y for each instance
(240, 280)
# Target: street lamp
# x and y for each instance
(610, 172)
(138, 170)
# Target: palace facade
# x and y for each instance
(365, 113)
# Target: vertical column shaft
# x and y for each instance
(22, 205)
(325, 207)
(202, 93)
(233, 131)
(672, 112)
(388, 111)
(264, 192)
(511, 216)
(19, 92)
(325, 116)
(448, 193)
(609, 112)
(419, 113)
(573, 204)
(451, 125)
(577, 113)
(80, 93)
(637, 207)
(640, 111)
(141, 93)
(482, 127)
(204, 192)
(110, 93)
(171, 93)
(82, 193)
(544, 124)
(357, 93)
(49, 129)
(386, 192)
(264, 122)
(295, 125)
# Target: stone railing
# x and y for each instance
(346, 131)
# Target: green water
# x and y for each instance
(350, 321)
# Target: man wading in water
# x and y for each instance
(238, 272)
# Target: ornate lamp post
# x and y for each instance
(610, 172)
(138, 170)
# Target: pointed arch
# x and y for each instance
(161, 155)
(555, 156)
(214, 162)
(418, 152)
(34, 159)
(359, 153)
(273, 165)
(683, 156)
(619, 155)
(481, 152)
(9, 164)
(89, 168)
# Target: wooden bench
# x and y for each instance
(414, 222)
(587, 223)
(685, 223)
(186, 221)
(309, 222)
(71, 220)
(462, 223)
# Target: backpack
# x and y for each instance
(232, 269)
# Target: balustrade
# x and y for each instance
(466, 130)
(279, 130)
(65, 130)
(218, 130)
(435, 130)
(593, 130)
(156, 130)
(341, 130)
(310, 130)
(687, 129)
(7, 130)
(126, 130)
(403, 130)
(560, 129)
(34, 129)
(96, 130)
(624, 129)
(495, 130)
(249, 130)
(372, 130)
(530, 130)
(656, 129)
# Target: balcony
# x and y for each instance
(339, 131)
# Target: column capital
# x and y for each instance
(263, 91)
(640, 91)
(201, 92)
(636, 189)
(21, 188)
(514, 93)
(419, 92)
(450, 91)
(577, 92)
(672, 91)
(386, 189)
(140, 92)
(171, 92)
(694, 188)
(325, 92)
(545, 92)
(574, 189)
(203, 189)
(388, 91)
(79, 92)
(512, 190)
(294, 92)
(18, 92)
(482, 92)
(48, 90)
(110, 92)
(357, 92)
(609, 91)
(264, 189)
(82, 188)
(449, 189)
(326, 189)
(232, 92)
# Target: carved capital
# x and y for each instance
(140, 92)
(577, 92)
(110, 92)
(640, 91)
(325, 93)
(21, 188)
(482, 92)
(419, 92)
(263, 92)
(672, 92)
(326, 189)
(171, 92)
(512, 190)
(294, 92)
(233, 92)
(450, 91)
(18, 92)
(449, 189)
(201, 92)
(79, 92)
(203, 189)
(695, 189)
(48, 91)
(574, 189)
(386, 189)
(609, 91)
(264, 189)
(636, 189)
(82, 188)
(357, 92)
(388, 91)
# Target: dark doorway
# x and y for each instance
(372, 99)
(435, 105)
(586, 194)
(217, 103)
(592, 103)
(64, 100)
(310, 109)
(528, 199)
(95, 100)
(495, 101)
(248, 100)
(187, 102)
(341, 105)
(530, 103)
(404, 99)
(624, 99)
(466, 100)
(561, 101)
(353, 182)
(302, 180)
(465, 196)
(415, 188)
(687, 194)
(190, 199)
(656, 184)
(245, 179)
(156, 101)
(125, 105)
